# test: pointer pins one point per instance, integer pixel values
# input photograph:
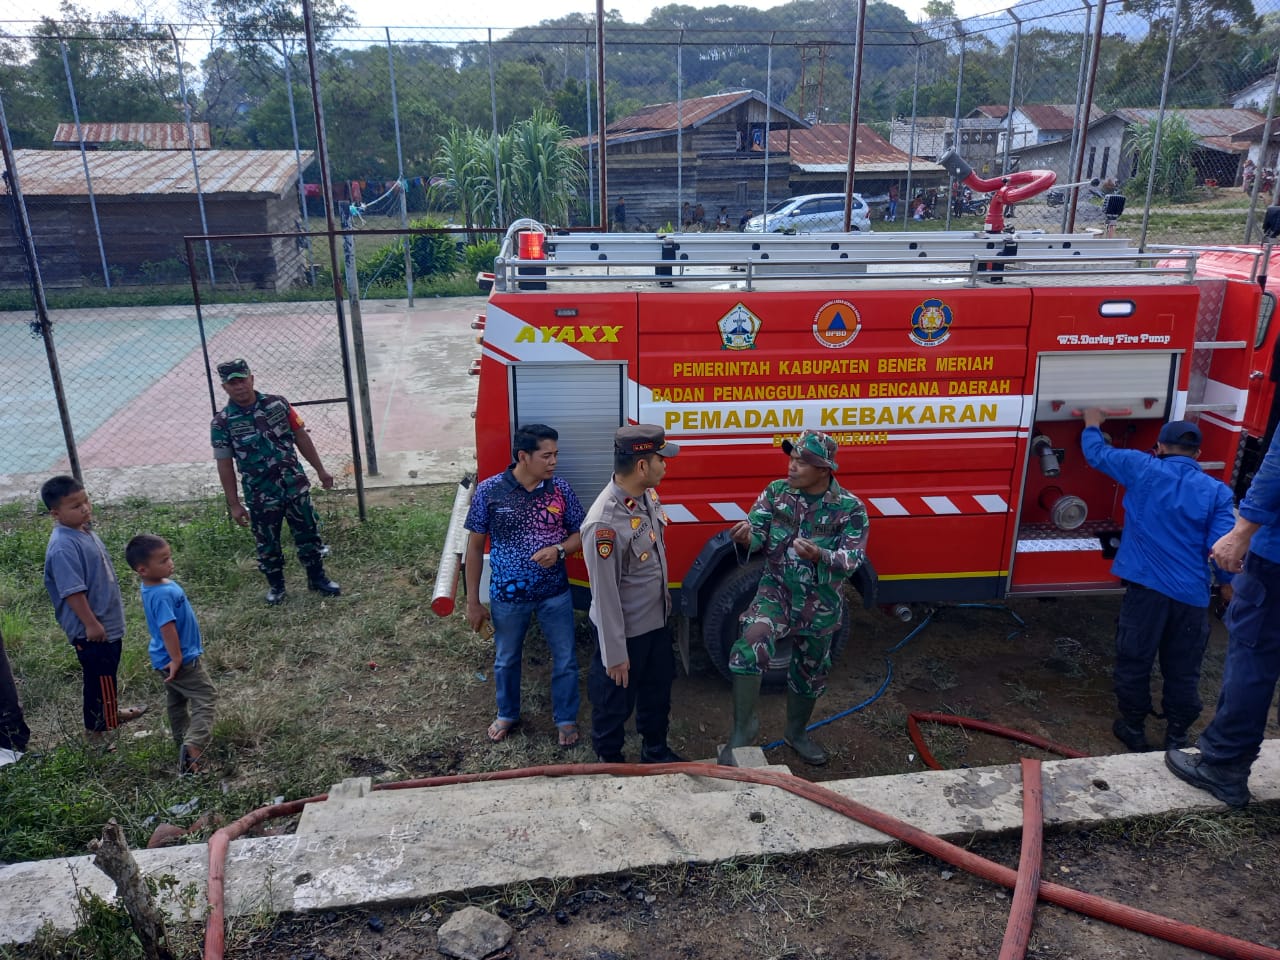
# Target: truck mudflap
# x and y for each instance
(455, 539)
(717, 554)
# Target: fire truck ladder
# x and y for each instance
(745, 259)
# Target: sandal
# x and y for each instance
(568, 734)
(500, 729)
(188, 764)
(129, 714)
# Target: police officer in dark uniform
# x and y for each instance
(626, 554)
(259, 433)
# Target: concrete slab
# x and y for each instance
(399, 845)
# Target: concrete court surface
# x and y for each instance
(140, 405)
(361, 848)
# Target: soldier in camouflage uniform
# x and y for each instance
(259, 432)
(813, 534)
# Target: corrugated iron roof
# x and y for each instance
(824, 148)
(153, 136)
(997, 111)
(1055, 116)
(1213, 127)
(119, 173)
(665, 117)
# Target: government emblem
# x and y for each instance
(931, 323)
(836, 324)
(738, 329)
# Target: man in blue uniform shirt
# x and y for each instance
(1251, 550)
(1173, 512)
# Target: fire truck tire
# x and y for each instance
(728, 599)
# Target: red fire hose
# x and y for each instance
(1197, 938)
(1022, 912)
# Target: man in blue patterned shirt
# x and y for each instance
(531, 519)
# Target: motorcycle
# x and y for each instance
(1268, 180)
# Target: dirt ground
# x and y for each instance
(1047, 675)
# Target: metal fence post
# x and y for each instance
(84, 160)
(1262, 157)
(191, 142)
(404, 191)
(42, 325)
(497, 145)
(1075, 129)
(952, 186)
(679, 217)
(911, 149)
(1013, 86)
(591, 180)
(1086, 109)
(357, 340)
(853, 114)
(602, 151)
(297, 160)
(768, 106)
(322, 151)
(1155, 146)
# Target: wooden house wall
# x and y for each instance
(138, 230)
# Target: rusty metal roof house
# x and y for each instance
(714, 146)
(148, 136)
(820, 157)
(146, 203)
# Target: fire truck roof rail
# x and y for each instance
(744, 259)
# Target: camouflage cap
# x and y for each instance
(234, 370)
(815, 448)
(641, 438)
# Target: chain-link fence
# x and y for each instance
(131, 132)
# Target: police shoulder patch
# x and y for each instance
(604, 542)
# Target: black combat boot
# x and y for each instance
(276, 593)
(660, 753)
(1175, 735)
(1132, 733)
(1229, 782)
(319, 581)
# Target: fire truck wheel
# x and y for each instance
(730, 596)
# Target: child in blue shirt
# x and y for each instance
(176, 650)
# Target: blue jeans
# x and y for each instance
(1252, 668)
(510, 624)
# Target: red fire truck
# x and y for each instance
(950, 367)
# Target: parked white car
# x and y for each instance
(812, 213)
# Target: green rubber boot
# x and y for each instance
(799, 710)
(746, 721)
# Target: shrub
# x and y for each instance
(479, 257)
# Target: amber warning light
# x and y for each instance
(531, 247)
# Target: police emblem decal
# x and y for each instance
(931, 323)
(604, 542)
(836, 324)
(738, 329)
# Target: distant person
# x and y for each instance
(14, 732)
(920, 209)
(891, 212)
(722, 219)
(1250, 550)
(746, 218)
(624, 543)
(531, 519)
(620, 215)
(686, 216)
(699, 217)
(262, 434)
(176, 650)
(1173, 513)
(82, 584)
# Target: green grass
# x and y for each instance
(309, 693)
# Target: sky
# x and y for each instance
(490, 13)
